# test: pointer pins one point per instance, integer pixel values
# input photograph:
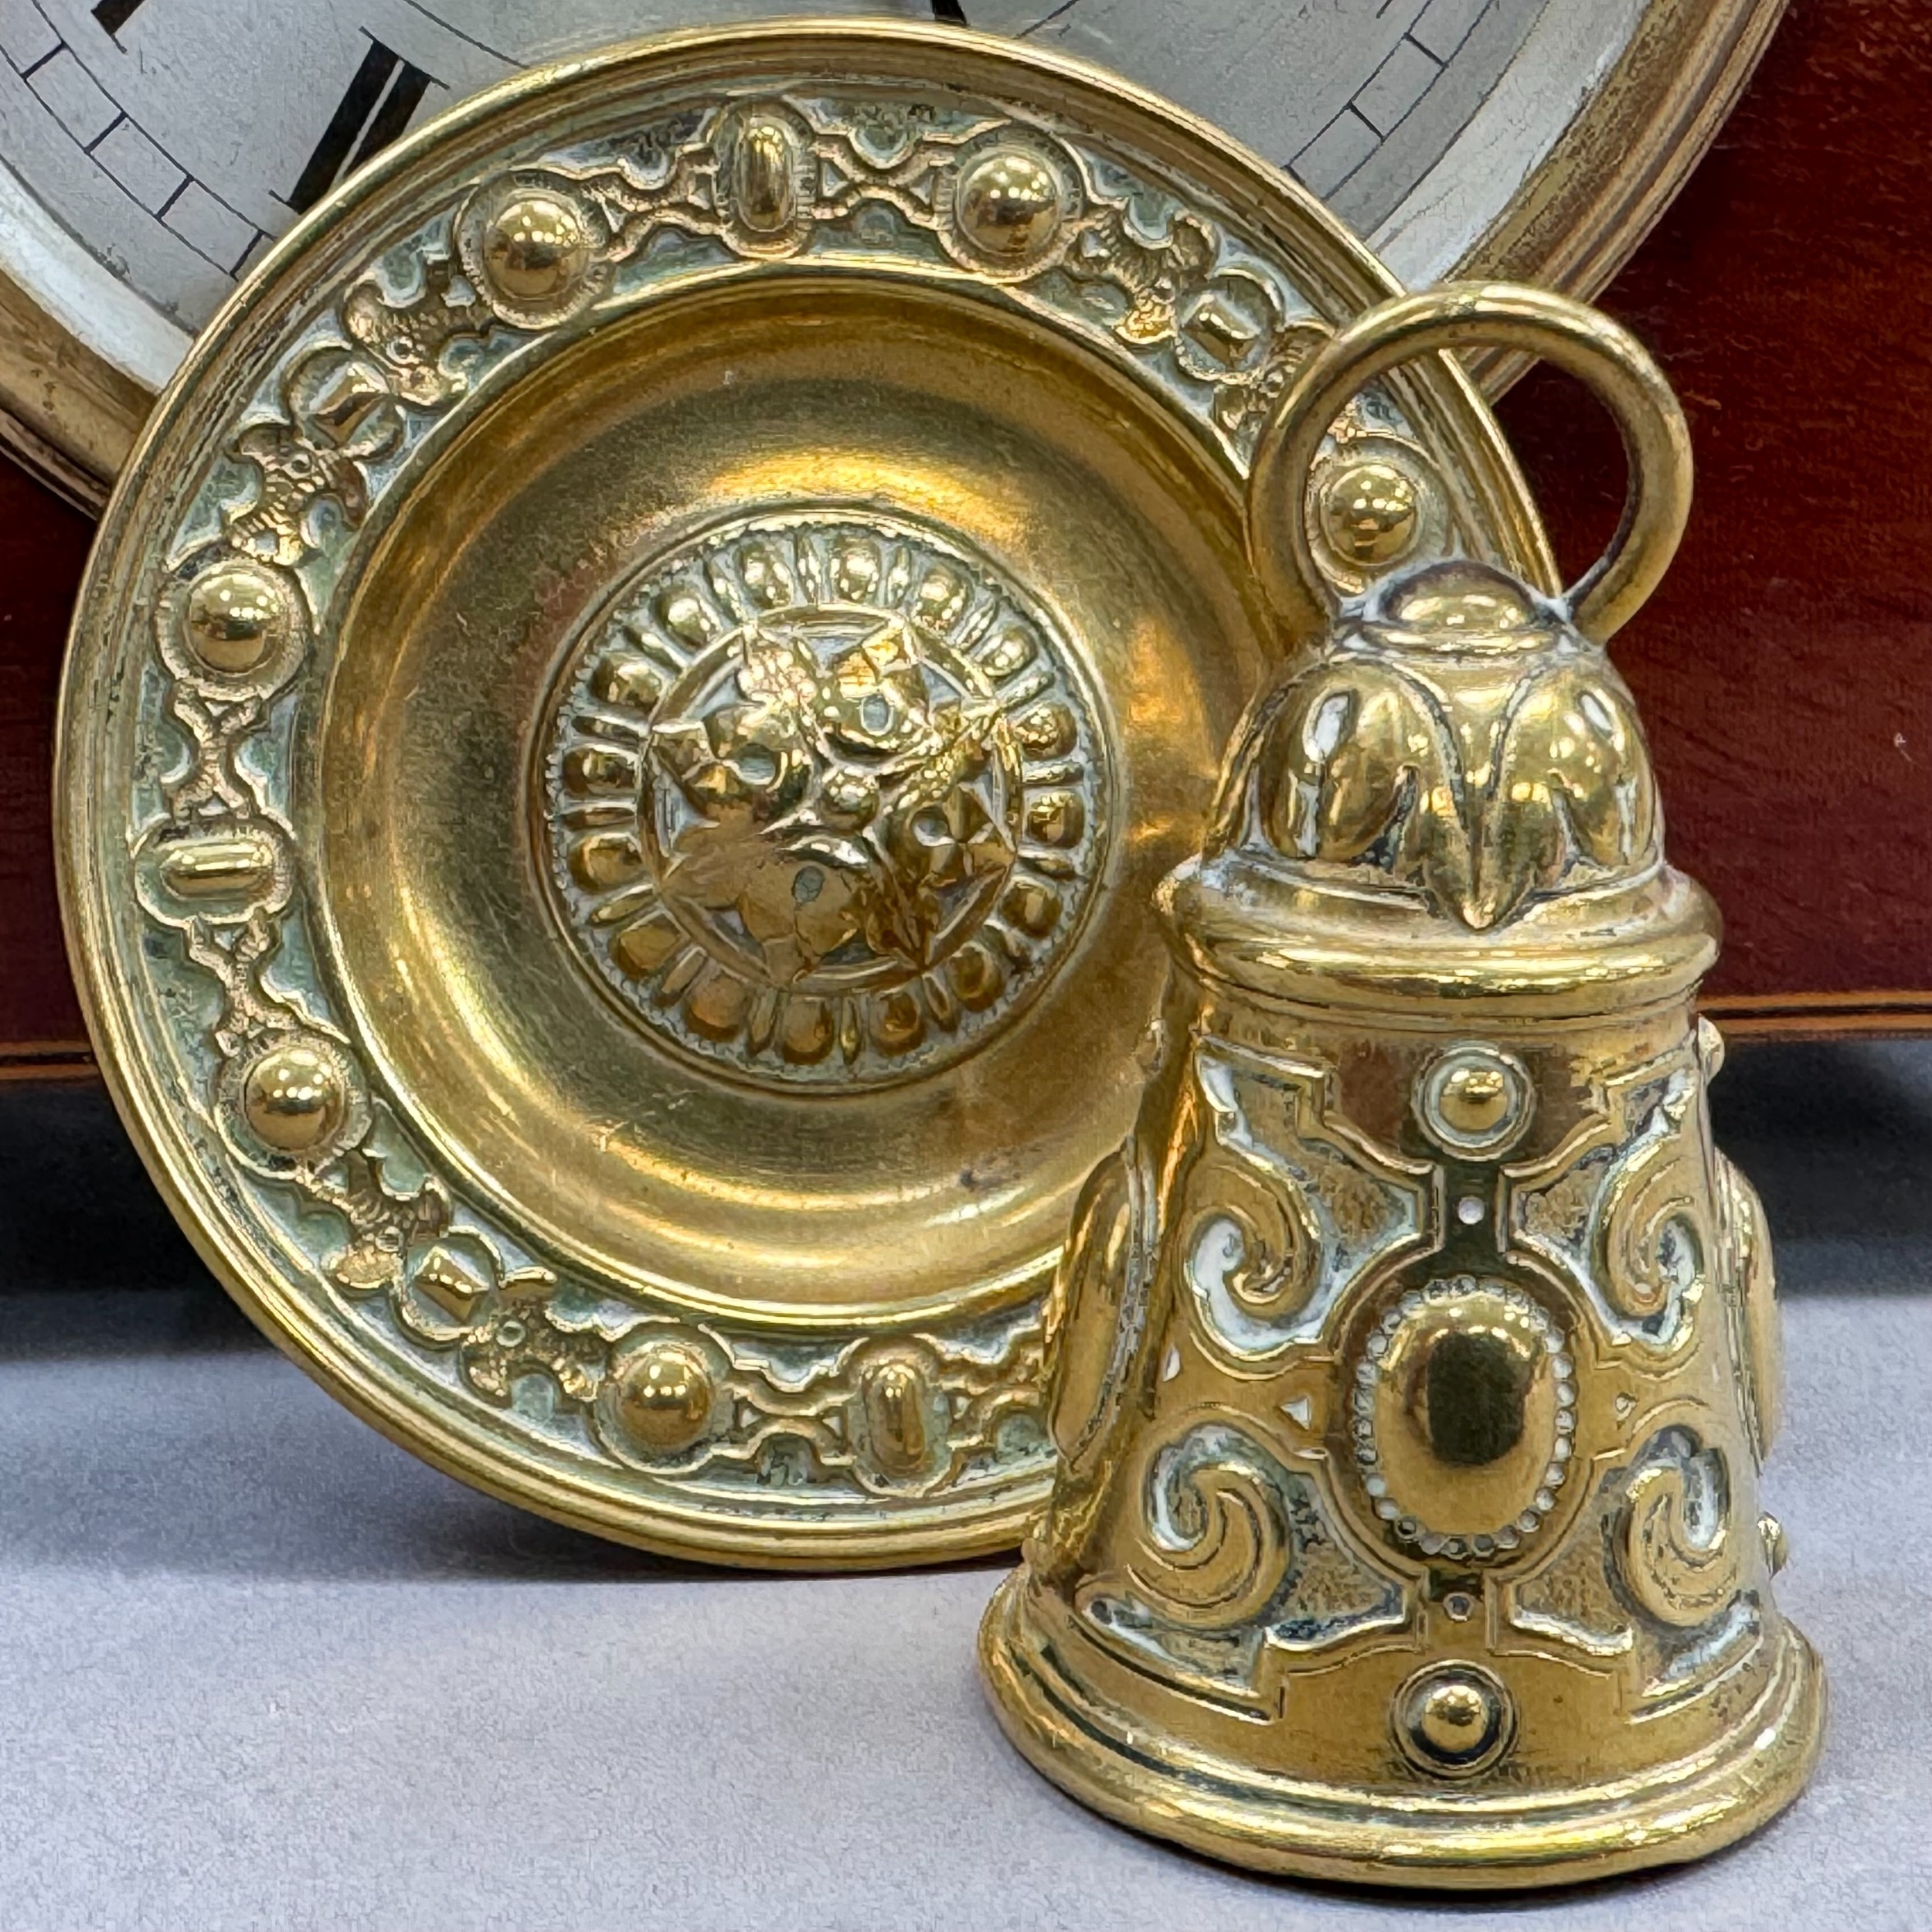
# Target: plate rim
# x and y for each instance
(91, 903)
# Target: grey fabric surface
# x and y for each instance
(260, 1668)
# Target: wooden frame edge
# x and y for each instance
(46, 1060)
(1818, 1016)
(1743, 1016)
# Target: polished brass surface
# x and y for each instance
(1416, 1355)
(623, 723)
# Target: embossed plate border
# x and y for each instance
(334, 376)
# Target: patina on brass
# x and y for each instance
(1416, 1353)
(623, 724)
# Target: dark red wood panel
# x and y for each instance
(42, 545)
(1785, 670)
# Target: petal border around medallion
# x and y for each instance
(336, 380)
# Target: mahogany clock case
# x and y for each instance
(1783, 670)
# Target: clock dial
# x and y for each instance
(150, 150)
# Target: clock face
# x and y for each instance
(150, 150)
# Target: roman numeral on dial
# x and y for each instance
(112, 15)
(375, 108)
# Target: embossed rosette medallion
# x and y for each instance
(618, 743)
(825, 798)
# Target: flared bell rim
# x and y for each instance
(1456, 1841)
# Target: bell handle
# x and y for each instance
(1458, 315)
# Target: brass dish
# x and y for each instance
(622, 722)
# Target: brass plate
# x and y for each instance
(621, 726)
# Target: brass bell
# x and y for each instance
(1416, 1354)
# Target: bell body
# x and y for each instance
(1416, 1355)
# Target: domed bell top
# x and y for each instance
(1454, 758)
(1450, 797)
